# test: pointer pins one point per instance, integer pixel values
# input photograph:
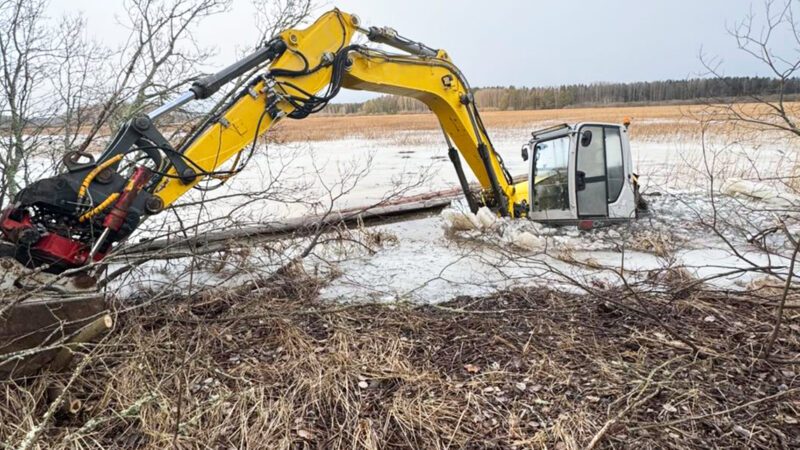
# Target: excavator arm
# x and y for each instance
(75, 218)
(425, 74)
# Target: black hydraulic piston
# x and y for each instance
(388, 36)
(208, 85)
(462, 179)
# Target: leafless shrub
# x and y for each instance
(62, 90)
(24, 50)
(759, 227)
(262, 366)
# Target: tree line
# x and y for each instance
(595, 94)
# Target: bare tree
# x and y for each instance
(74, 82)
(772, 39)
(159, 58)
(24, 54)
(762, 36)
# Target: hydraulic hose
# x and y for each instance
(91, 175)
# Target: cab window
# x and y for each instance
(614, 165)
(551, 179)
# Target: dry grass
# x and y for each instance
(667, 121)
(661, 122)
(272, 367)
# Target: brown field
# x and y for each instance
(648, 121)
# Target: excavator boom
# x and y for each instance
(322, 57)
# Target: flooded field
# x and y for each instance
(424, 260)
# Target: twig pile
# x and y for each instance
(270, 367)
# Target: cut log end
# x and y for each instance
(96, 328)
(69, 404)
(73, 407)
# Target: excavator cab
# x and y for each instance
(581, 175)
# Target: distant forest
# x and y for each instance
(595, 94)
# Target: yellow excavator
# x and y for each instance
(577, 173)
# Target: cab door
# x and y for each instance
(603, 172)
(552, 174)
(591, 180)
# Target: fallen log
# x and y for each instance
(299, 226)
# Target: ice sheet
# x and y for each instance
(428, 261)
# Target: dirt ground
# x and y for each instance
(268, 366)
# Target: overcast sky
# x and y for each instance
(522, 43)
